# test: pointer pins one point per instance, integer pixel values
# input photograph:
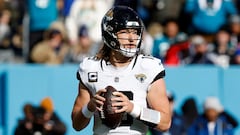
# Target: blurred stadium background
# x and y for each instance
(23, 24)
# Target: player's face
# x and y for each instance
(128, 38)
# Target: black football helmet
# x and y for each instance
(119, 18)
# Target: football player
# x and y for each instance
(139, 80)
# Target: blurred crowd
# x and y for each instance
(40, 120)
(179, 32)
(209, 119)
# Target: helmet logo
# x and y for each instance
(109, 15)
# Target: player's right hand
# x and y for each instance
(97, 101)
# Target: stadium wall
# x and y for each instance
(20, 84)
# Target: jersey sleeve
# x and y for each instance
(84, 70)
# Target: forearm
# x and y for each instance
(79, 121)
(157, 100)
(165, 122)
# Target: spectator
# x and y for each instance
(89, 13)
(54, 49)
(6, 52)
(235, 59)
(208, 16)
(177, 126)
(199, 53)
(170, 36)
(52, 124)
(211, 122)
(40, 120)
(5, 16)
(221, 52)
(177, 53)
(25, 125)
(189, 111)
(41, 14)
(84, 47)
(155, 29)
(17, 9)
(234, 25)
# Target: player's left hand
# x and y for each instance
(122, 102)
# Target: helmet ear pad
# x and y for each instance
(119, 18)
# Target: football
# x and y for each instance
(107, 115)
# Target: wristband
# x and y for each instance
(150, 117)
(136, 111)
(86, 112)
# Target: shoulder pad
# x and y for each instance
(148, 62)
(88, 63)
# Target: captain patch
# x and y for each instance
(92, 77)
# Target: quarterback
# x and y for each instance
(139, 80)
